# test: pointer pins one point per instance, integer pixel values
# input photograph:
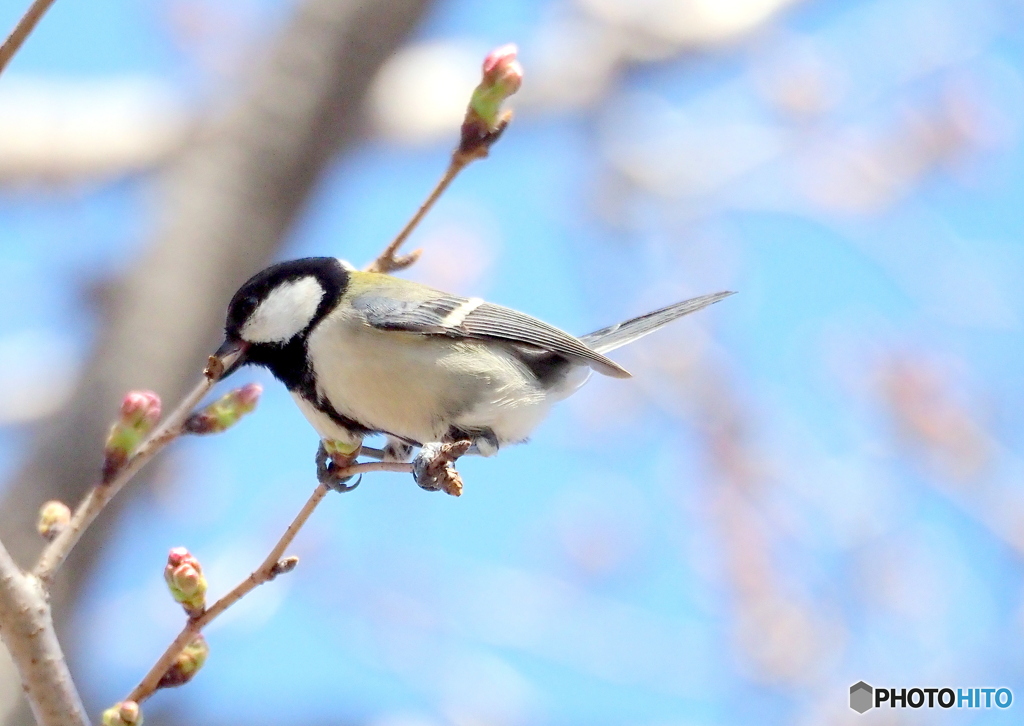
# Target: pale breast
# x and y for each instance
(417, 386)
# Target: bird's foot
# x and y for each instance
(333, 457)
(433, 468)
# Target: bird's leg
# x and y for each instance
(433, 468)
(396, 450)
(333, 456)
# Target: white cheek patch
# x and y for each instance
(285, 312)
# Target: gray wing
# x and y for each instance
(460, 317)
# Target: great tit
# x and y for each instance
(367, 353)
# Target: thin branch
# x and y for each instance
(56, 552)
(387, 261)
(267, 571)
(474, 143)
(27, 630)
(366, 467)
(92, 504)
(22, 30)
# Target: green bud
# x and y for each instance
(225, 412)
(502, 77)
(187, 664)
(342, 449)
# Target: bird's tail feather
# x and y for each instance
(618, 335)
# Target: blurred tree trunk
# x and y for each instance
(226, 205)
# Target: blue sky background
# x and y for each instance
(814, 482)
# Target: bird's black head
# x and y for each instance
(272, 313)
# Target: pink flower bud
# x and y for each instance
(180, 555)
(187, 664)
(140, 410)
(502, 76)
(225, 412)
(185, 580)
(53, 518)
(501, 68)
(249, 396)
(126, 713)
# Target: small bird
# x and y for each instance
(367, 353)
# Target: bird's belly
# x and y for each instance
(419, 386)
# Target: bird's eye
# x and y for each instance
(241, 309)
(247, 305)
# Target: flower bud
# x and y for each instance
(502, 70)
(502, 76)
(283, 566)
(53, 518)
(140, 410)
(342, 451)
(187, 664)
(126, 713)
(185, 580)
(225, 412)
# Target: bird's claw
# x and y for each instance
(327, 472)
(343, 487)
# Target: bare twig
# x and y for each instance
(482, 126)
(271, 567)
(29, 636)
(387, 261)
(462, 157)
(22, 30)
(57, 551)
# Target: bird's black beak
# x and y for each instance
(231, 356)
